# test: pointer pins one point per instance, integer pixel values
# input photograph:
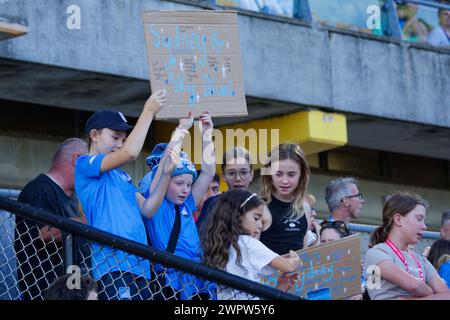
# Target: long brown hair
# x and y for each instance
(294, 152)
(222, 227)
(401, 203)
(439, 253)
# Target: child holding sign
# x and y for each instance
(172, 228)
(112, 203)
(229, 241)
(394, 272)
(284, 186)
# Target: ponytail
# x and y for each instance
(378, 236)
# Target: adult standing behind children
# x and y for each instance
(283, 192)
(172, 227)
(394, 272)
(38, 246)
(344, 200)
(112, 203)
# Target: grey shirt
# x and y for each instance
(389, 290)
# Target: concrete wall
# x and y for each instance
(282, 61)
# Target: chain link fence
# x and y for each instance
(123, 269)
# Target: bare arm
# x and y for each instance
(149, 206)
(392, 273)
(441, 291)
(202, 183)
(286, 264)
(134, 142)
(439, 286)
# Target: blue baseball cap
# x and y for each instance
(110, 119)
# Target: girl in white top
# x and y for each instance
(229, 240)
(393, 271)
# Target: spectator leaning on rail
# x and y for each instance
(393, 271)
(440, 35)
(37, 245)
(344, 200)
(112, 203)
(229, 240)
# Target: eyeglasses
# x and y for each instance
(231, 174)
(334, 225)
(358, 195)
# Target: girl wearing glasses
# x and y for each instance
(229, 242)
(237, 172)
(284, 184)
(393, 271)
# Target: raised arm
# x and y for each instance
(175, 143)
(202, 183)
(149, 206)
(134, 142)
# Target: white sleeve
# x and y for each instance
(259, 255)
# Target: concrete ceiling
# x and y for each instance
(89, 91)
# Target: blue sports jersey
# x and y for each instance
(188, 246)
(444, 272)
(109, 203)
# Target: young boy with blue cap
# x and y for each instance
(172, 227)
(112, 203)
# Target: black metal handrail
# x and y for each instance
(144, 251)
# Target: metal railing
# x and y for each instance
(35, 264)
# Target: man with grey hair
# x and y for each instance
(445, 225)
(344, 200)
(38, 246)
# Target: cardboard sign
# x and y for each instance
(328, 271)
(195, 57)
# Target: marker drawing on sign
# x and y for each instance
(196, 58)
(223, 71)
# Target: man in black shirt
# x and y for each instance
(38, 246)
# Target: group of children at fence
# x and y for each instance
(236, 231)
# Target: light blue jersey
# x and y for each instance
(109, 203)
(188, 246)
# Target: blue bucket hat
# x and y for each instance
(185, 166)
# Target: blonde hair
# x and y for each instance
(293, 152)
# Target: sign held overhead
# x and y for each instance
(195, 57)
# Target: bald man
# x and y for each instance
(38, 246)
